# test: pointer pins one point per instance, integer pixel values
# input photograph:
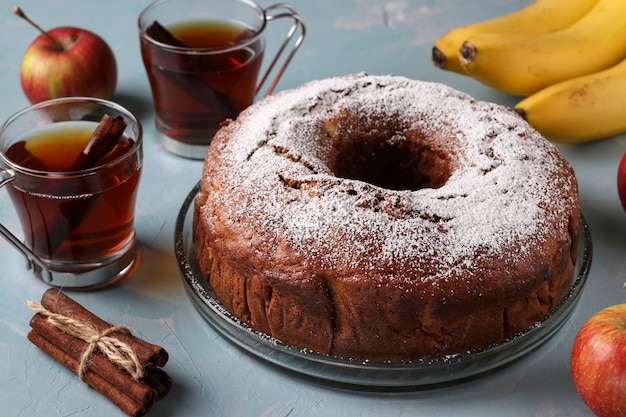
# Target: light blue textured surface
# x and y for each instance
(213, 378)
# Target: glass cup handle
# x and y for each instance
(275, 12)
(6, 176)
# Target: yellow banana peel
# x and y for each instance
(580, 109)
(540, 16)
(523, 64)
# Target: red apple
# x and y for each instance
(598, 362)
(621, 181)
(68, 61)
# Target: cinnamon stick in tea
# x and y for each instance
(104, 138)
(188, 79)
(159, 33)
(102, 141)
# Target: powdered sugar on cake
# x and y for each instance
(500, 195)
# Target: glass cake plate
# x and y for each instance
(360, 374)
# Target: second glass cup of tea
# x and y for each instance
(203, 60)
(71, 167)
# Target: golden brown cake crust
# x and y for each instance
(383, 218)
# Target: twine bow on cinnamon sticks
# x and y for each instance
(120, 366)
(115, 350)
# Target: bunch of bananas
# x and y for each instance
(567, 57)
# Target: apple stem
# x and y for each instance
(18, 11)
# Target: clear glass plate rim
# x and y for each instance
(524, 341)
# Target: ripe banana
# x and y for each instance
(581, 109)
(525, 63)
(541, 16)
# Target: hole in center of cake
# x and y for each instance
(391, 160)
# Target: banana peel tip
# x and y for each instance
(467, 52)
(438, 58)
(521, 112)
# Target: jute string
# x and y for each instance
(114, 349)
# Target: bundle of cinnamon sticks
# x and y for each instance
(122, 367)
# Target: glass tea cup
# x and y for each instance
(77, 218)
(203, 60)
